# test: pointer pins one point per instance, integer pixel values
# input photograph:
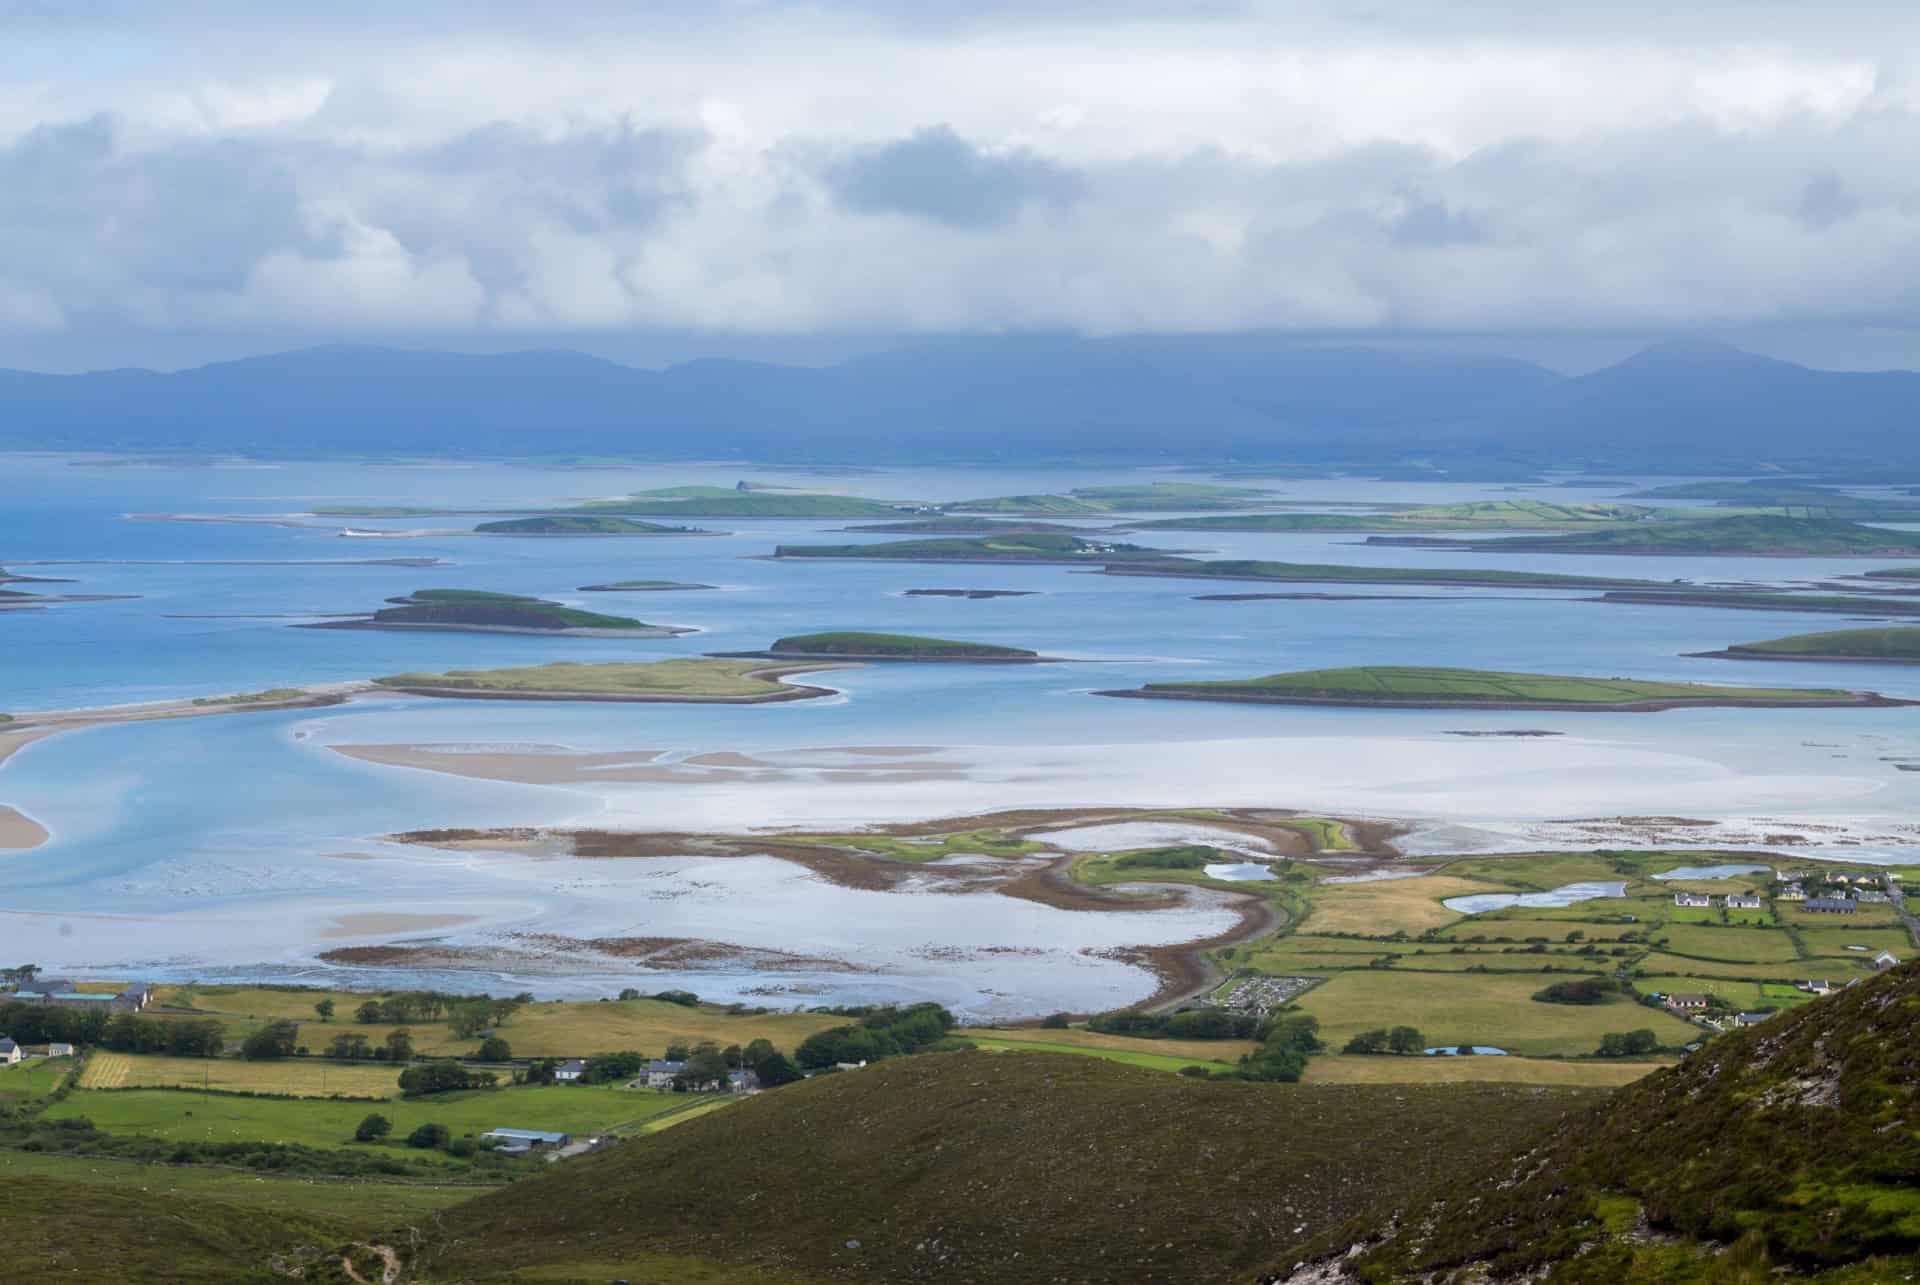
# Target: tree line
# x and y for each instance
(118, 1032)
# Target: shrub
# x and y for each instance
(429, 1136)
(495, 1049)
(442, 1077)
(1055, 1022)
(373, 1128)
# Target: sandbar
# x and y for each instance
(19, 831)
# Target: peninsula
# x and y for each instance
(683, 681)
(1877, 646)
(479, 611)
(1419, 687)
(1335, 573)
(1479, 515)
(1042, 548)
(858, 645)
(584, 525)
(1761, 600)
(1746, 535)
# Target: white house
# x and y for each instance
(9, 1052)
(1736, 901)
(57, 1049)
(568, 1072)
(1692, 899)
(660, 1074)
(1884, 960)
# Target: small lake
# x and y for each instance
(1240, 872)
(1565, 895)
(1484, 1050)
(1712, 872)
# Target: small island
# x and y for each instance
(971, 594)
(1479, 515)
(641, 586)
(1747, 535)
(1042, 548)
(1875, 646)
(965, 526)
(733, 502)
(684, 681)
(1335, 573)
(1095, 501)
(1762, 600)
(480, 611)
(1419, 687)
(585, 525)
(857, 645)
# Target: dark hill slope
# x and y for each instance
(1003, 1168)
(1796, 1143)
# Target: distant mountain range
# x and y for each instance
(1202, 398)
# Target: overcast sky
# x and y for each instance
(186, 181)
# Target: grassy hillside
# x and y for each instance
(1746, 534)
(905, 646)
(1035, 547)
(1004, 1167)
(1391, 683)
(1797, 1144)
(661, 679)
(1850, 644)
(580, 524)
(1479, 515)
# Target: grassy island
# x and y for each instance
(1095, 501)
(680, 680)
(583, 524)
(725, 502)
(1480, 515)
(1334, 573)
(641, 586)
(1881, 646)
(996, 548)
(966, 526)
(477, 610)
(860, 645)
(1751, 535)
(1762, 600)
(1418, 687)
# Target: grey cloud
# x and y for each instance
(1824, 201)
(938, 175)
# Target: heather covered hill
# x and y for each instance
(1787, 1149)
(1001, 1167)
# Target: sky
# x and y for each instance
(1561, 179)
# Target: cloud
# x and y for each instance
(761, 167)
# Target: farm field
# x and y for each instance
(295, 1077)
(1479, 1009)
(32, 1079)
(1834, 941)
(1838, 970)
(1128, 1057)
(1756, 945)
(1095, 1041)
(182, 1115)
(1336, 1069)
(1396, 905)
(1745, 996)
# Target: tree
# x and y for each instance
(1406, 1039)
(274, 1040)
(735, 1055)
(324, 1010)
(603, 1068)
(679, 1051)
(495, 1049)
(759, 1051)
(686, 999)
(499, 1010)
(775, 1070)
(368, 1013)
(430, 1135)
(541, 1071)
(705, 1069)
(629, 993)
(400, 1045)
(349, 1044)
(471, 1020)
(442, 1077)
(1374, 1041)
(373, 1128)
(1055, 1022)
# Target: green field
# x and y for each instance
(183, 1115)
(581, 524)
(33, 1078)
(1375, 684)
(1127, 1057)
(1042, 547)
(848, 642)
(682, 679)
(1752, 945)
(1851, 644)
(1480, 1009)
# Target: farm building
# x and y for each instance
(9, 1052)
(1884, 960)
(569, 1071)
(57, 1049)
(1793, 892)
(1815, 987)
(660, 1074)
(65, 994)
(1829, 905)
(520, 1141)
(1686, 1003)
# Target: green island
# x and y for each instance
(1893, 573)
(641, 586)
(858, 645)
(689, 680)
(1418, 687)
(725, 502)
(1095, 501)
(996, 548)
(1512, 515)
(482, 611)
(1752, 535)
(1884, 646)
(271, 696)
(584, 524)
(965, 526)
(1334, 573)
(1790, 499)
(1760, 600)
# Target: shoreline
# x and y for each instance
(1469, 581)
(1735, 653)
(1862, 700)
(20, 832)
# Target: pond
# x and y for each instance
(1484, 1050)
(1712, 872)
(1565, 895)
(1240, 872)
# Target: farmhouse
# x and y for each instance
(57, 1049)
(1815, 987)
(1692, 899)
(659, 1073)
(1736, 901)
(9, 1052)
(1750, 1019)
(1884, 960)
(569, 1071)
(521, 1141)
(1829, 905)
(1686, 1003)
(1793, 892)
(1867, 896)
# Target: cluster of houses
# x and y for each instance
(660, 1073)
(1836, 892)
(1732, 901)
(61, 993)
(13, 1053)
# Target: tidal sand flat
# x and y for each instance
(19, 831)
(686, 681)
